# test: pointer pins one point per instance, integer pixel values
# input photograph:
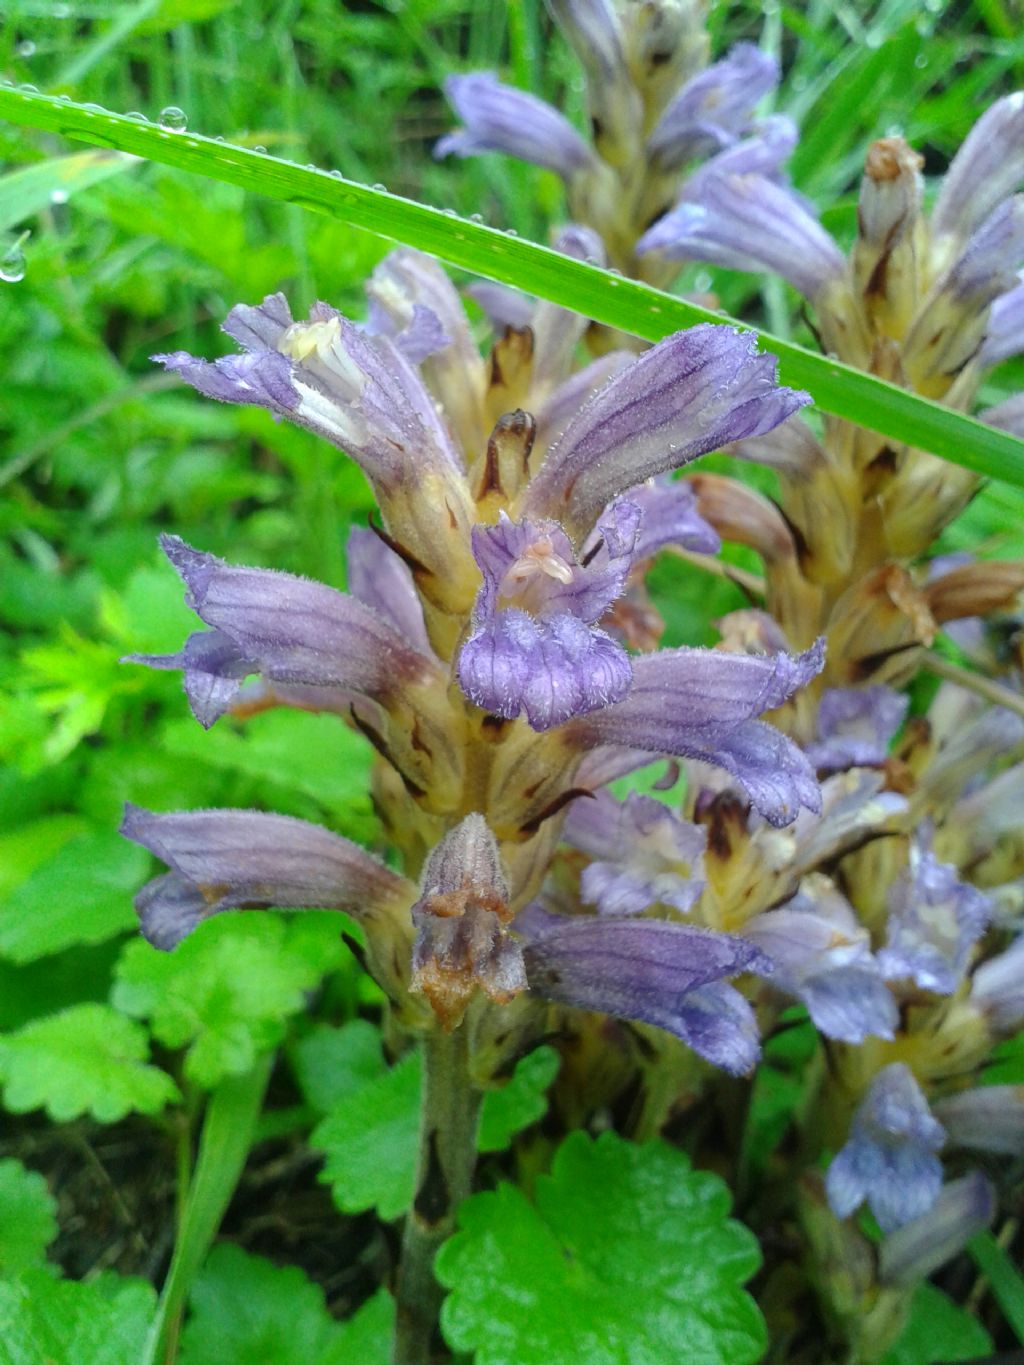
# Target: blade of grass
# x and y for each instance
(621, 303)
(1004, 1279)
(26, 192)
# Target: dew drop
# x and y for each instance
(136, 117)
(172, 119)
(381, 189)
(702, 281)
(12, 264)
(261, 150)
(58, 196)
(26, 48)
(220, 138)
(511, 232)
(336, 175)
(61, 11)
(28, 89)
(921, 61)
(476, 218)
(64, 99)
(449, 213)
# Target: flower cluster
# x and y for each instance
(479, 650)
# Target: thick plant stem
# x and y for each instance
(444, 1173)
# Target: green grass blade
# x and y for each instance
(621, 303)
(1003, 1277)
(31, 189)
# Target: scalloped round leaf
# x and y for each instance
(83, 894)
(86, 1059)
(331, 1063)
(521, 1101)
(245, 1309)
(627, 1253)
(28, 1221)
(103, 1322)
(370, 1140)
(227, 992)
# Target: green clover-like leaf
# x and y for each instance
(103, 1322)
(520, 1102)
(246, 1310)
(83, 894)
(227, 992)
(332, 1063)
(370, 1139)
(86, 1059)
(27, 1222)
(626, 1255)
(937, 1329)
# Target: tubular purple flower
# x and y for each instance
(856, 725)
(689, 394)
(1004, 336)
(287, 629)
(593, 29)
(231, 859)
(989, 263)
(889, 1158)
(913, 1252)
(669, 975)
(379, 579)
(988, 167)
(989, 1118)
(822, 955)
(747, 222)
(670, 517)
(934, 921)
(534, 646)
(356, 390)
(504, 306)
(642, 854)
(713, 108)
(997, 989)
(500, 118)
(700, 703)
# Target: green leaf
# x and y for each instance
(937, 1329)
(331, 1063)
(27, 1221)
(227, 992)
(26, 192)
(627, 1254)
(63, 1322)
(83, 894)
(370, 1142)
(522, 1101)
(87, 1059)
(24, 849)
(626, 304)
(246, 1311)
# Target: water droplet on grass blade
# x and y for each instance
(172, 119)
(12, 264)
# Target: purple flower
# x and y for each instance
(670, 517)
(230, 859)
(990, 260)
(691, 393)
(642, 854)
(534, 646)
(934, 921)
(701, 704)
(747, 221)
(989, 1118)
(988, 167)
(822, 955)
(855, 726)
(889, 1158)
(963, 1208)
(286, 629)
(355, 389)
(499, 118)
(669, 975)
(997, 989)
(461, 942)
(379, 579)
(1004, 336)
(713, 108)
